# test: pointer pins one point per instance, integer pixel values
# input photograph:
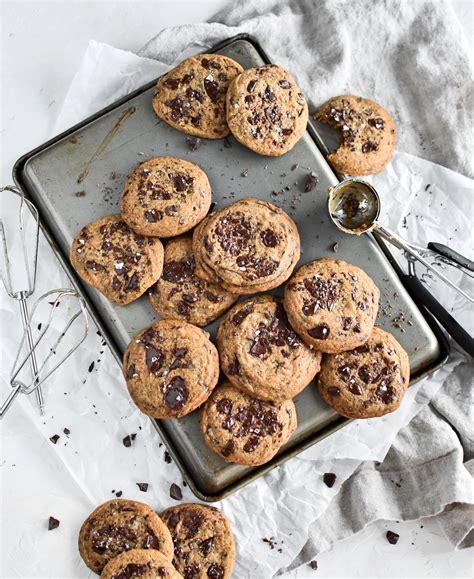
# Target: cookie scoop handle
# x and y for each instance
(445, 319)
(451, 255)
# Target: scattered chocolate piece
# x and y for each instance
(311, 182)
(67, 432)
(227, 143)
(80, 194)
(244, 173)
(294, 167)
(52, 523)
(118, 494)
(167, 457)
(392, 537)
(193, 143)
(329, 479)
(175, 492)
(313, 565)
(54, 439)
(143, 487)
(127, 440)
(91, 367)
(271, 542)
(335, 247)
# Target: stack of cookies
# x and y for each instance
(122, 539)
(269, 349)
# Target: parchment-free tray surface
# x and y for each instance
(100, 154)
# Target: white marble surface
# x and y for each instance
(41, 46)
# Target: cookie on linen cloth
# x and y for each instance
(142, 563)
(164, 197)
(171, 368)
(246, 247)
(192, 96)
(120, 525)
(118, 262)
(368, 134)
(331, 304)
(266, 110)
(243, 429)
(261, 354)
(180, 294)
(369, 381)
(203, 543)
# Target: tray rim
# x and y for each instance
(17, 173)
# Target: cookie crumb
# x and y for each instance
(53, 523)
(175, 492)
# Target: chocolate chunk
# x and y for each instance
(355, 388)
(335, 247)
(215, 571)
(211, 297)
(251, 444)
(91, 367)
(244, 173)
(191, 572)
(175, 492)
(329, 478)
(176, 393)
(228, 449)
(143, 487)
(320, 332)
(131, 570)
(53, 523)
(234, 367)
(284, 83)
(196, 121)
(182, 182)
(211, 88)
(127, 440)
(347, 324)
(153, 215)
(178, 271)
(206, 546)
(176, 106)
(151, 540)
(392, 537)
(54, 439)
(313, 565)
(286, 132)
(251, 85)
(378, 123)
(249, 99)
(365, 374)
(94, 266)
(268, 95)
(224, 406)
(171, 210)
(260, 347)
(172, 83)
(385, 392)
(118, 494)
(193, 142)
(167, 457)
(187, 78)
(334, 391)
(154, 359)
(269, 238)
(222, 77)
(369, 146)
(116, 283)
(194, 94)
(67, 432)
(240, 316)
(311, 182)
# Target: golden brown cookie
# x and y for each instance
(266, 110)
(180, 294)
(164, 197)
(146, 564)
(261, 354)
(243, 429)
(247, 247)
(368, 134)
(171, 368)
(331, 304)
(118, 262)
(369, 381)
(120, 525)
(192, 96)
(203, 543)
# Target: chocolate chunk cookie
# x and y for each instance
(243, 429)
(368, 381)
(367, 132)
(332, 304)
(118, 262)
(261, 354)
(247, 247)
(118, 526)
(165, 196)
(171, 368)
(191, 97)
(266, 110)
(140, 563)
(180, 294)
(203, 543)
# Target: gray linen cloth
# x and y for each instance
(412, 58)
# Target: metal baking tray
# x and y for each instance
(78, 176)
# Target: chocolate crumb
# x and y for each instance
(127, 440)
(329, 479)
(193, 143)
(335, 247)
(118, 494)
(67, 432)
(244, 173)
(54, 439)
(311, 182)
(175, 492)
(392, 537)
(167, 457)
(294, 167)
(227, 143)
(91, 367)
(80, 194)
(143, 487)
(271, 542)
(53, 523)
(313, 565)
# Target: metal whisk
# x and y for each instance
(54, 341)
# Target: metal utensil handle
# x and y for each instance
(33, 363)
(10, 398)
(451, 255)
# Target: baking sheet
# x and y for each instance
(79, 178)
